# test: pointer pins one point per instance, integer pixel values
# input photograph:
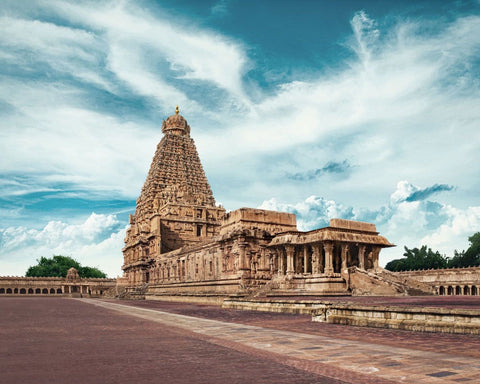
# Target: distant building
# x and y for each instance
(71, 286)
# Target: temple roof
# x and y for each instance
(176, 124)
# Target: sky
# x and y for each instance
(362, 110)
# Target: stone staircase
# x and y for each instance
(384, 283)
(414, 287)
(265, 289)
(135, 293)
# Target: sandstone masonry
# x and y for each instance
(181, 243)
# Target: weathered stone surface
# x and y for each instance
(270, 221)
(353, 225)
(180, 243)
(413, 318)
(445, 320)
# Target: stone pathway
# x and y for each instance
(350, 361)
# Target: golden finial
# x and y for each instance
(176, 110)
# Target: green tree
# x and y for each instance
(91, 272)
(470, 257)
(58, 265)
(418, 258)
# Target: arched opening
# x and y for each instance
(9, 290)
(23, 291)
(52, 291)
(441, 291)
(474, 290)
(15, 290)
(59, 291)
(37, 291)
(466, 290)
(45, 291)
(458, 290)
(450, 290)
(2, 291)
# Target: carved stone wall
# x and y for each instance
(180, 242)
(176, 207)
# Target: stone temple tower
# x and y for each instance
(176, 207)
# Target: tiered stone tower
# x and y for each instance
(176, 207)
(180, 243)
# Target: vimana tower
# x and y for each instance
(181, 243)
(176, 206)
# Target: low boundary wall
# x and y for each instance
(423, 319)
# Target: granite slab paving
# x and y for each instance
(353, 361)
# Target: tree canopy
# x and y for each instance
(58, 265)
(425, 258)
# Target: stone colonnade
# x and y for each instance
(457, 290)
(324, 258)
(64, 289)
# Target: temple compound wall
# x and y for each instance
(451, 281)
(72, 285)
(181, 243)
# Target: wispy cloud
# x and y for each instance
(331, 167)
(422, 194)
(220, 8)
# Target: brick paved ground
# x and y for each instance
(462, 345)
(371, 358)
(54, 340)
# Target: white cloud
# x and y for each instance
(134, 36)
(461, 224)
(403, 222)
(66, 50)
(54, 141)
(312, 213)
(403, 106)
(96, 242)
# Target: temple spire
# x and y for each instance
(177, 110)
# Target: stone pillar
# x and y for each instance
(345, 250)
(290, 249)
(361, 256)
(280, 261)
(316, 256)
(376, 254)
(328, 246)
(305, 259)
(243, 262)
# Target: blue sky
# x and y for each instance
(361, 110)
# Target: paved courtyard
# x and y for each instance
(55, 340)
